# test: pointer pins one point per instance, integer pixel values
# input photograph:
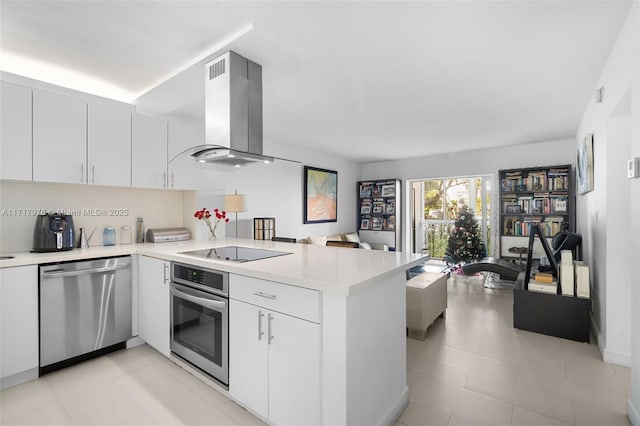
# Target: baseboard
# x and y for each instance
(134, 341)
(396, 410)
(623, 360)
(19, 378)
(633, 413)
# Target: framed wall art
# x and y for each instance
(584, 180)
(320, 195)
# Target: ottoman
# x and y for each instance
(426, 301)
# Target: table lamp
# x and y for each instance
(234, 204)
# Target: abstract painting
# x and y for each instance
(320, 195)
(584, 180)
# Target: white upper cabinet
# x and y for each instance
(15, 132)
(148, 151)
(109, 144)
(183, 135)
(59, 138)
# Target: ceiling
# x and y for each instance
(367, 81)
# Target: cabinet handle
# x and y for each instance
(172, 180)
(93, 174)
(260, 332)
(166, 268)
(265, 295)
(269, 335)
(82, 173)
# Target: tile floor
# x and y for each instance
(473, 369)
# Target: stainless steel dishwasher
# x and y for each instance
(85, 310)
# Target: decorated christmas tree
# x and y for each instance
(465, 243)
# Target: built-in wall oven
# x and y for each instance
(200, 318)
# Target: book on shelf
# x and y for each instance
(566, 257)
(543, 287)
(544, 277)
(566, 279)
(582, 279)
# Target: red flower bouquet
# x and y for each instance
(205, 215)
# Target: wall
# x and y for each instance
(634, 195)
(276, 190)
(159, 208)
(609, 213)
(469, 163)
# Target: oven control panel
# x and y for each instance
(206, 279)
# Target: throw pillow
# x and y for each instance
(336, 237)
(352, 237)
(318, 241)
(365, 246)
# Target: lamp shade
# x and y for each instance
(234, 203)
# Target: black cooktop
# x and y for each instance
(235, 253)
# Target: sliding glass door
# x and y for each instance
(435, 203)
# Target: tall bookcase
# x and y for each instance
(379, 212)
(542, 195)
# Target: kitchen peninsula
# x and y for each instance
(344, 358)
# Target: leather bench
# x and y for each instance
(426, 301)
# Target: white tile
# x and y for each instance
(596, 415)
(417, 414)
(192, 409)
(129, 360)
(123, 411)
(52, 415)
(152, 382)
(240, 415)
(81, 395)
(524, 417)
(25, 398)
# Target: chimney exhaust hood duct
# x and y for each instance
(233, 114)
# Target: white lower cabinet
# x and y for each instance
(154, 303)
(274, 363)
(18, 325)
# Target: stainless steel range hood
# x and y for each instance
(233, 114)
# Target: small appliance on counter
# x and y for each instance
(166, 235)
(53, 232)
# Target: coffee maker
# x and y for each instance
(53, 232)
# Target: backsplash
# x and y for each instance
(91, 206)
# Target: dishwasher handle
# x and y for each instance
(57, 274)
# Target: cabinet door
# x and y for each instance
(294, 371)
(183, 174)
(154, 303)
(15, 132)
(248, 358)
(109, 144)
(148, 152)
(59, 138)
(18, 320)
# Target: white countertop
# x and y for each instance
(332, 269)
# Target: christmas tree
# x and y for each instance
(465, 243)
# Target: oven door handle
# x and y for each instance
(213, 304)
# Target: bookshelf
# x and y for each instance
(567, 317)
(378, 212)
(533, 195)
